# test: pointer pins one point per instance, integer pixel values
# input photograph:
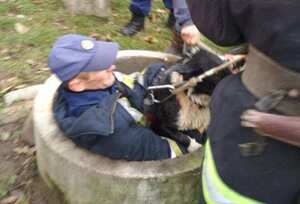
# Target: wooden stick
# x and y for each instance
(193, 81)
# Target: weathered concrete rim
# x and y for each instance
(125, 54)
(48, 133)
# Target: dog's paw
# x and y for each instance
(193, 145)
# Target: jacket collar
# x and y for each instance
(78, 102)
(96, 119)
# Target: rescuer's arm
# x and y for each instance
(279, 127)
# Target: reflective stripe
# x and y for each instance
(174, 147)
(211, 194)
(140, 79)
(135, 114)
(214, 189)
(129, 79)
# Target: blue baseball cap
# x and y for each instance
(73, 53)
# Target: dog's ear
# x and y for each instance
(204, 60)
(200, 62)
(186, 70)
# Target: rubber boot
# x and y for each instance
(135, 25)
(171, 21)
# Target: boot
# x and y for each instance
(176, 46)
(134, 25)
(171, 21)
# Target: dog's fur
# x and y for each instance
(186, 115)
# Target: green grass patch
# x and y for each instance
(6, 23)
(5, 185)
(46, 20)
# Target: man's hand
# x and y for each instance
(283, 128)
(123, 88)
(234, 69)
(252, 119)
(190, 34)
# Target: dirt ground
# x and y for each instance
(19, 179)
(20, 182)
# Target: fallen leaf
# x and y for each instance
(44, 69)
(161, 11)
(20, 28)
(150, 39)
(6, 58)
(155, 17)
(10, 14)
(20, 16)
(60, 23)
(94, 35)
(30, 61)
(4, 51)
(108, 37)
(21, 150)
(9, 199)
(158, 30)
(25, 150)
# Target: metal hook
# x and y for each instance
(151, 90)
(158, 87)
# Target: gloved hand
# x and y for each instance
(129, 94)
(123, 88)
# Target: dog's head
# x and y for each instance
(199, 63)
(189, 109)
(196, 65)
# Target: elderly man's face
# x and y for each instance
(93, 80)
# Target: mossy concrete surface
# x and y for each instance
(86, 178)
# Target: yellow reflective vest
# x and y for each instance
(214, 189)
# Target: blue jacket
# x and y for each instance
(105, 127)
(182, 14)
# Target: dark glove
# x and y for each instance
(130, 95)
(123, 88)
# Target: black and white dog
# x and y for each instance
(184, 117)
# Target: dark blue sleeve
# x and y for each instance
(182, 14)
(134, 144)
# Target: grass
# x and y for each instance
(24, 56)
(6, 184)
(47, 20)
